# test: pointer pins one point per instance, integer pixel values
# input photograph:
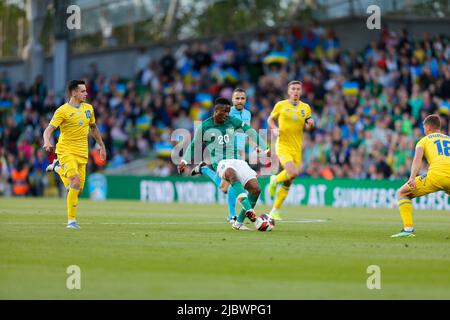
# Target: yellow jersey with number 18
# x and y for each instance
(291, 119)
(436, 148)
(74, 125)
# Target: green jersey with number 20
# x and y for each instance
(219, 140)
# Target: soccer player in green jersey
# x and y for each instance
(217, 133)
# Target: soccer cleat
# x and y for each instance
(198, 169)
(232, 220)
(404, 234)
(239, 226)
(275, 213)
(51, 167)
(251, 215)
(272, 186)
(73, 225)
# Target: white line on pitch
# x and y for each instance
(154, 223)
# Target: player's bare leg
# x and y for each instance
(224, 185)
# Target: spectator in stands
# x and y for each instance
(20, 179)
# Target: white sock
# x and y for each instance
(70, 221)
(409, 229)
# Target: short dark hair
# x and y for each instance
(239, 90)
(433, 120)
(222, 102)
(295, 82)
(73, 85)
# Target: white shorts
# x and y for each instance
(243, 170)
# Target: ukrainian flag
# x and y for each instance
(121, 88)
(444, 107)
(163, 149)
(276, 57)
(205, 99)
(231, 75)
(143, 122)
(350, 88)
(5, 104)
(217, 73)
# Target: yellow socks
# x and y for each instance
(281, 195)
(406, 209)
(72, 202)
(282, 177)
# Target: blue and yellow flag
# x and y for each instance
(121, 88)
(231, 75)
(444, 107)
(205, 99)
(5, 104)
(143, 122)
(163, 149)
(276, 57)
(350, 88)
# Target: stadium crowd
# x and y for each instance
(367, 104)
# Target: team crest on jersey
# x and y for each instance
(88, 114)
(303, 113)
(80, 122)
(422, 177)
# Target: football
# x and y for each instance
(264, 222)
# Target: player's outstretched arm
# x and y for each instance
(186, 157)
(310, 124)
(190, 150)
(98, 138)
(48, 145)
(272, 125)
(415, 166)
(255, 137)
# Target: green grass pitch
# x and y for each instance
(134, 250)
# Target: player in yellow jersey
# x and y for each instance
(435, 146)
(75, 120)
(293, 116)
